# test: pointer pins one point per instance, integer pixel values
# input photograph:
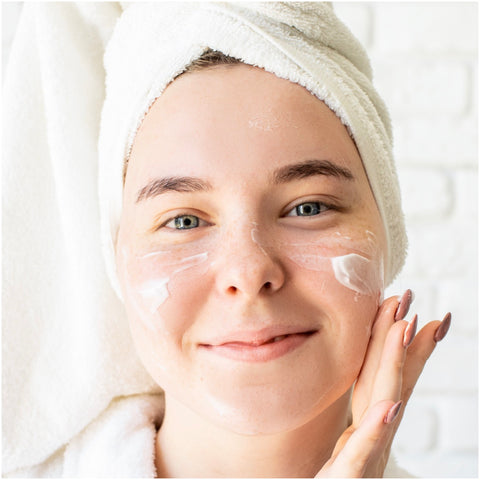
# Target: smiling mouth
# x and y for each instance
(260, 343)
(256, 350)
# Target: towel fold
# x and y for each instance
(66, 347)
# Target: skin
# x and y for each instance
(231, 129)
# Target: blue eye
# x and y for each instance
(184, 222)
(307, 209)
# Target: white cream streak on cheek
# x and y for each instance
(357, 273)
(148, 296)
(154, 292)
(130, 292)
(353, 271)
(253, 234)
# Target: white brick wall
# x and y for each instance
(424, 57)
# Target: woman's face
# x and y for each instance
(250, 250)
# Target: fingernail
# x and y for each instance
(392, 413)
(410, 332)
(442, 329)
(404, 305)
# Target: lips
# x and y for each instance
(259, 346)
(259, 343)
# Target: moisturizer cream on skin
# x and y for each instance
(149, 275)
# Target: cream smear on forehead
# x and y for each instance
(266, 122)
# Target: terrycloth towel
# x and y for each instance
(120, 443)
(66, 347)
(67, 351)
(300, 41)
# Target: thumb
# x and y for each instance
(353, 452)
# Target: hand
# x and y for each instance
(393, 363)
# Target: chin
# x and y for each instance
(269, 410)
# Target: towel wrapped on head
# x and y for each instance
(303, 42)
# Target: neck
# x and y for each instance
(189, 446)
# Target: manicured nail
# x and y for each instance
(442, 329)
(410, 332)
(404, 305)
(392, 413)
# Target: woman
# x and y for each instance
(251, 220)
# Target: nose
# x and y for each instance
(246, 267)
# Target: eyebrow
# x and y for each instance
(172, 184)
(311, 168)
(285, 174)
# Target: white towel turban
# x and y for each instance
(303, 42)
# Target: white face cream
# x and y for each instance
(148, 278)
(150, 275)
(360, 270)
(358, 273)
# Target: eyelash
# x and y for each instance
(318, 209)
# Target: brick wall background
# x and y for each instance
(425, 63)
(424, 57)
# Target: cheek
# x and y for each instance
(342, 278)
(349, 263)
(346, 315)
(336, 280)
(165, 289)
(158, 278)
(159, 293)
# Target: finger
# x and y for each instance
(360, 445)
(420, 351)
(389, 378)
(404, 305)
(417, 355)
(383, 321)
(379, 356)
(422, 346)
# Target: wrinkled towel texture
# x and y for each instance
(66, 347)
(67, 352)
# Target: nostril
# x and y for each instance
(232, 289)
(267, 285)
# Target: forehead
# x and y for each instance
(233, 116)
